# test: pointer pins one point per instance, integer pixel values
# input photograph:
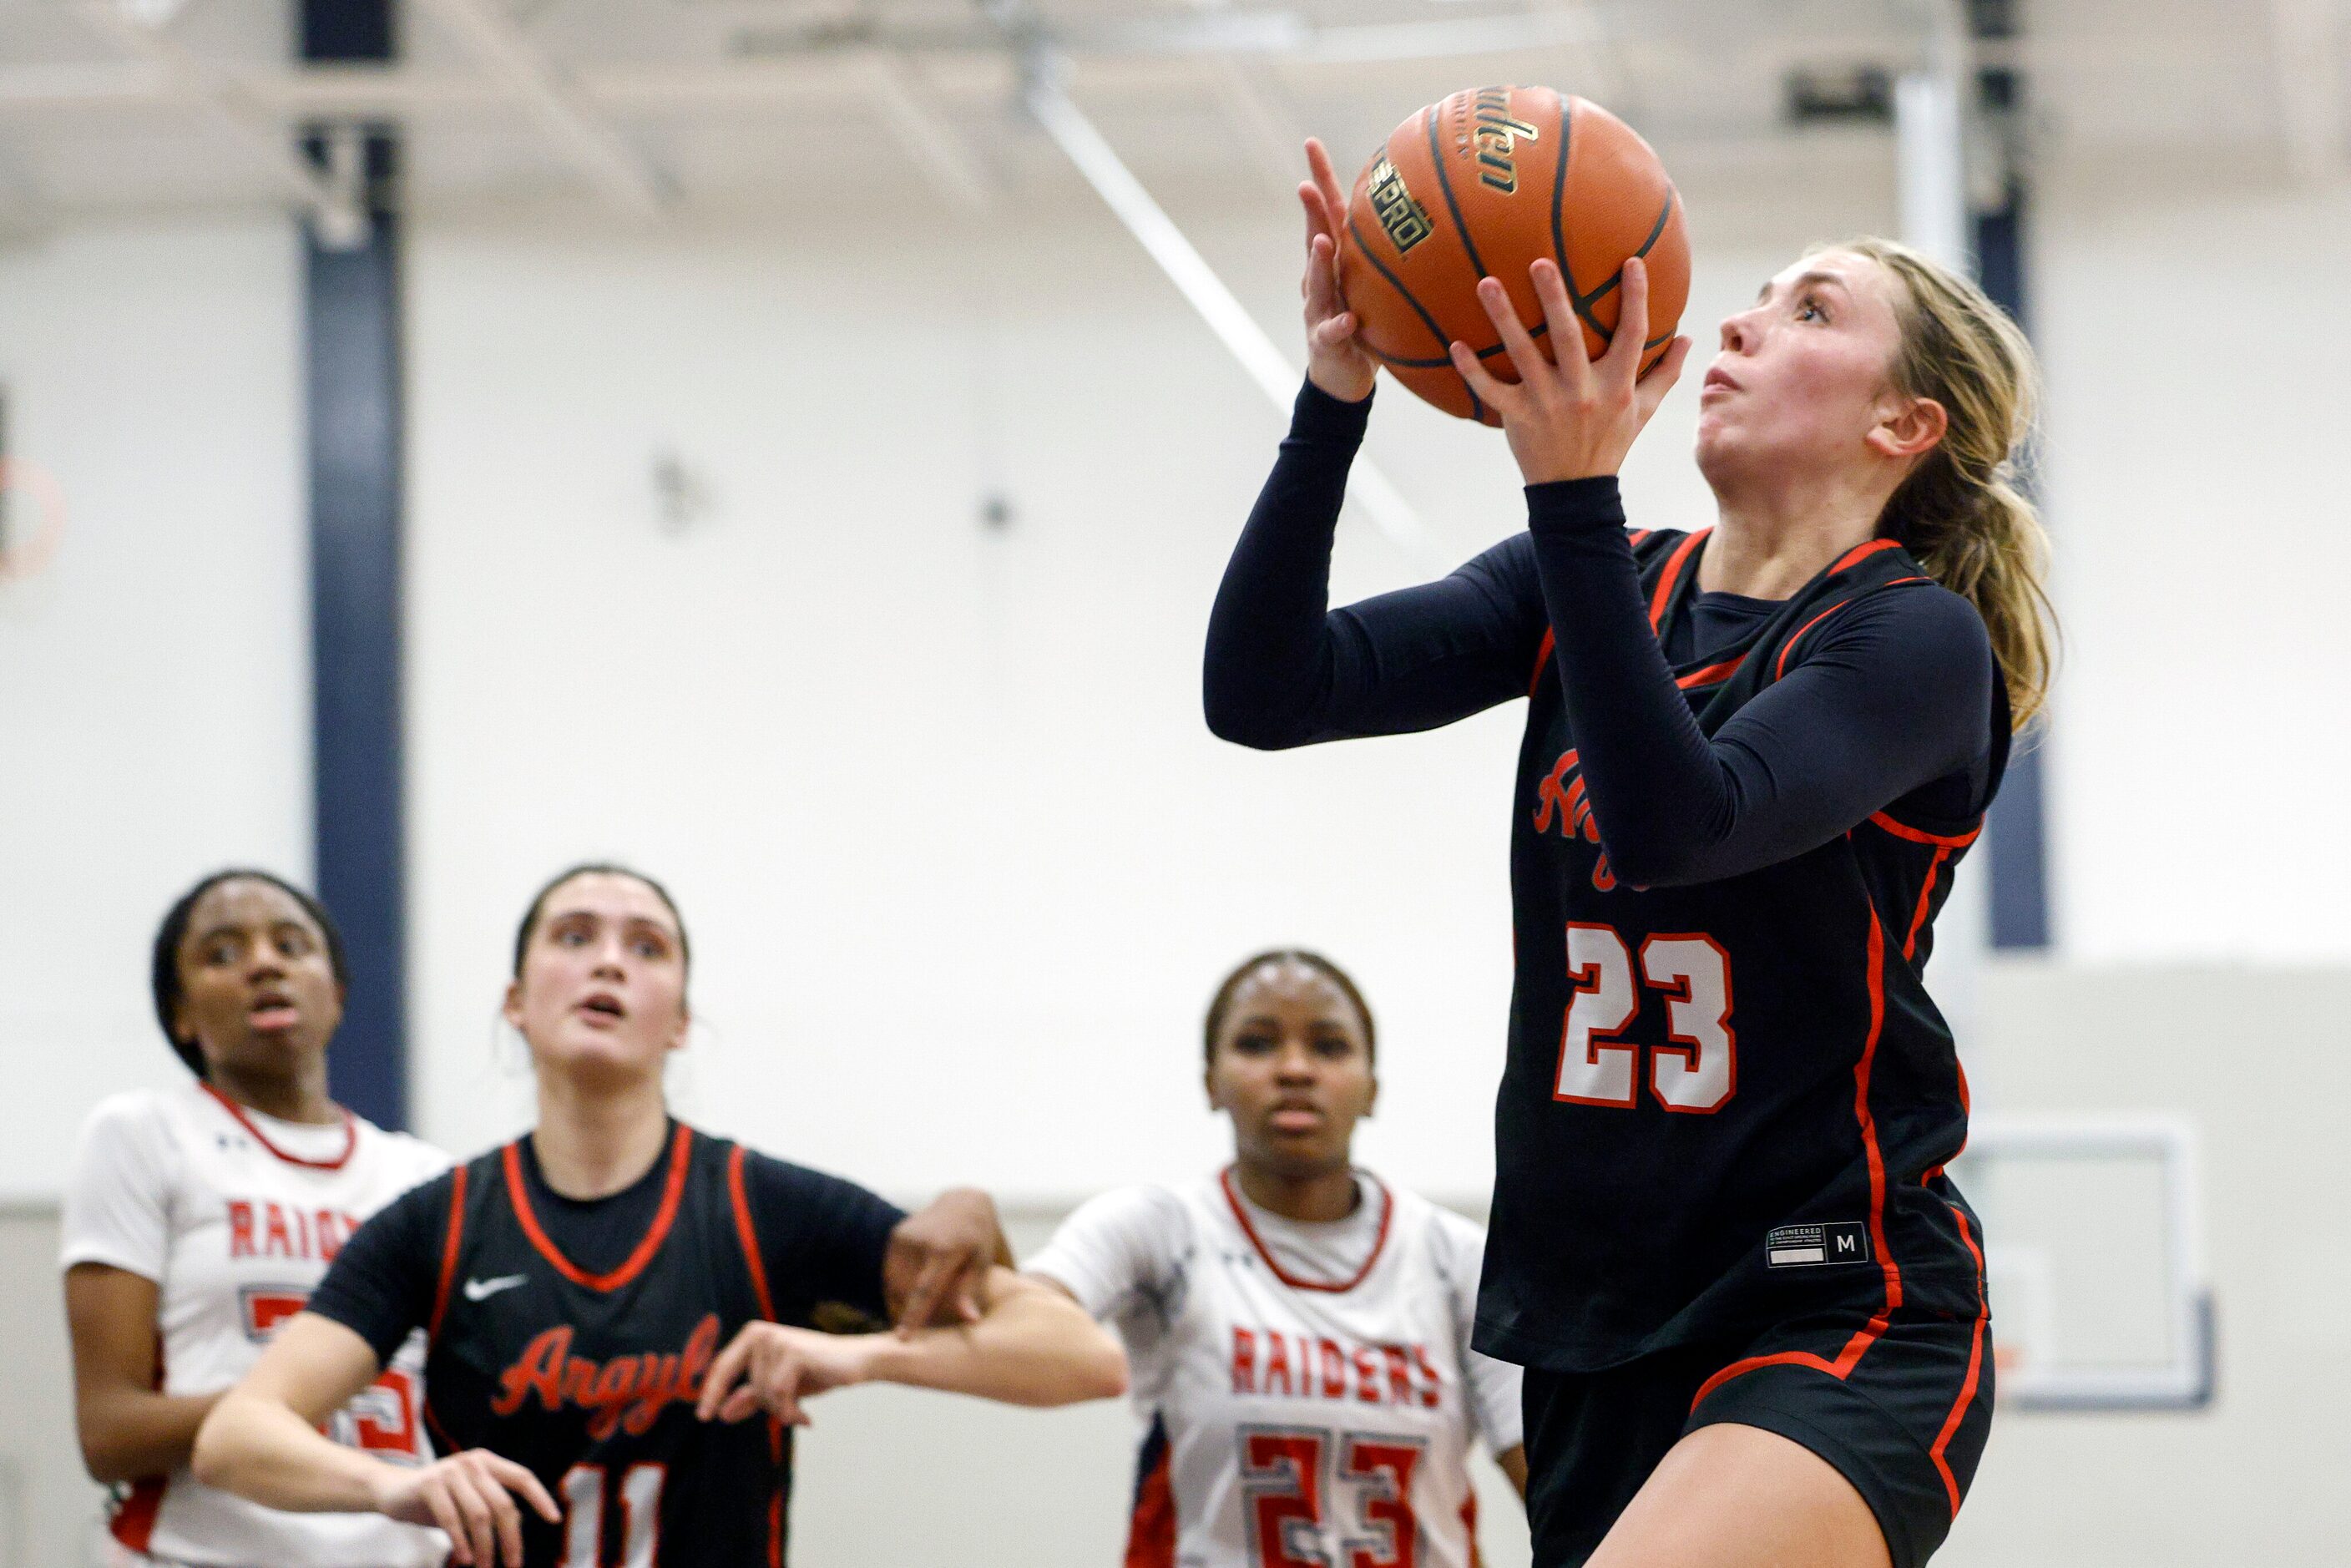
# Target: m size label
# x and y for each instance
(1802, 1246)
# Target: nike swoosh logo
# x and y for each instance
(482, 1290)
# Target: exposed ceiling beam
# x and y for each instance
(1369, 490)
(566, 112)
(333, 207)
(944, 157)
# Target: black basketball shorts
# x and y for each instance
(1902, 1414)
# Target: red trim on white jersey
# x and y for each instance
(351, 1135)
(133, 1523)
(1379, 1242)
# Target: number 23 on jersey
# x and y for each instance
(1283, 1485)
(1697, 1072)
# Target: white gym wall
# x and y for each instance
(961, 862)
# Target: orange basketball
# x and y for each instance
(1481, 185)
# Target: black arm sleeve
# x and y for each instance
(821, 1239)
(381, 1284)
(1283, 669)
(1888, 696)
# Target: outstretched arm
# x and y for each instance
(1283, 669)
(1033, 1346)
(262, 1442)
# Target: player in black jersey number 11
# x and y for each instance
(610, 1301)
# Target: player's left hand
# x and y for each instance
(773, 1367)
(1577, 418)
(939, 1257)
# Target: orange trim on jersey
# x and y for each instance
(1925, 899)
(747, 1233)
(1921, 836)
(1780, 667)
(351, 1135)
(1672, 574)
(518, 1194)
(1975, 1370)
(1711, 673)
(1869, 1332)
(1837, 1368)
(1868, 1123)
(1469, 1523)
(1379, 1243)
(776, 1531)
(1861, 552)
(1151, 1527)
(449, 1247)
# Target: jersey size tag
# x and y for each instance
(1801, 1245)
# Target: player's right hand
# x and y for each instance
(775, 1366)
(1335, 362)
(471, 1496)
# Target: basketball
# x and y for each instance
(1482, 185)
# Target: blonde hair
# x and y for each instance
(1960, 512)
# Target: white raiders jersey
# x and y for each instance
(235, 1215)
(1308, 1390)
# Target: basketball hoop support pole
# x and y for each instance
(1368, 489)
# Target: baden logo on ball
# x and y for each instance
(1481, 185)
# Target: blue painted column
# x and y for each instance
(352, 387)
(2018, 844)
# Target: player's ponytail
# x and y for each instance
(1960, 512)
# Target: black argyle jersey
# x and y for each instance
(1726, 1102)
(586, 1369)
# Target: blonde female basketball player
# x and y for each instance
(609, 1301)
(197, 1218)
(1299, 1329)
(1749, 1300)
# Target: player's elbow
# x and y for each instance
(109, 1438)
(1654, 863)
(1102, 1374)
(1245, 721)
(1092, 1365)
(108, 1462)
(214, 1461)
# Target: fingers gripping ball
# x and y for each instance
(1481, 185)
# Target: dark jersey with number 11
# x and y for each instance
(573, 1337)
